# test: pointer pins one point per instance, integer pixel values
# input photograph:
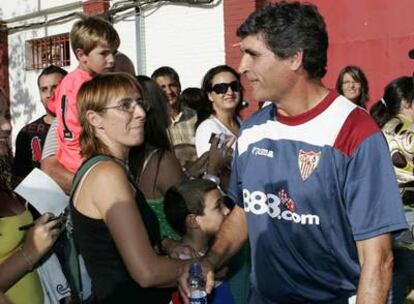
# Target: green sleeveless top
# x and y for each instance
(157, 205)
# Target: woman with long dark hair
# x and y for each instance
(394, 113)
(223, 94)
(153, 163)
(353, 84)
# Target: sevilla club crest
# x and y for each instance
(308, 161)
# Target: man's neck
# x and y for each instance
(175, 110)
(303, 97)
(48, 119)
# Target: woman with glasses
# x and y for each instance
(353, 84)
(394, 113)
(223, 93)
(115, 229)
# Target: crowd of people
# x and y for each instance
(311, 195)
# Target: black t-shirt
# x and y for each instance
(29, 146)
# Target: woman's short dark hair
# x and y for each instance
(186, 198)
(390, 105)
(358, 75)
(206, 87)
(289, 27)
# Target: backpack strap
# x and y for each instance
(74, 275)
(85, 167)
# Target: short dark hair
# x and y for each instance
(186, 198)
(166, 71)
(289, 27)
(192, 98)
(51, 69)
(358, 75)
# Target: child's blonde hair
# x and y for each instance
(90, 31)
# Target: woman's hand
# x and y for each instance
(41, 237)
(219, 158)
(198, 167)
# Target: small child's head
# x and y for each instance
(94, 42)
(195, 204)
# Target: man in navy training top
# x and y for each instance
(312, 179)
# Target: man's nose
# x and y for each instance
(168, 91)
(49, 93)
(243, 64)
(5, 125)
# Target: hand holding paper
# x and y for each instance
(43, 193)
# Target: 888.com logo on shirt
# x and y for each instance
(258, 202)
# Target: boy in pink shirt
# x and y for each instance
(94, 42)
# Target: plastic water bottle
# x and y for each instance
(198, 294)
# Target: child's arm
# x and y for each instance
(49, 163)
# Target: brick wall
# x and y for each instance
(94, 7)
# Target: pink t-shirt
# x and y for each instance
(63, 104)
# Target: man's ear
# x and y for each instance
(191, 222)
(295, 60)
(94, 119)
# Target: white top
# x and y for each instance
(204, 131)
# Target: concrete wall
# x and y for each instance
(188, 38)
(25, 103)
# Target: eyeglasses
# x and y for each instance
(129, 104)
(221, 88)
(349, 83)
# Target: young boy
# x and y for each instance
(94, 42)
(196, 210)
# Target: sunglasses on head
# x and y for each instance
(221, 88)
